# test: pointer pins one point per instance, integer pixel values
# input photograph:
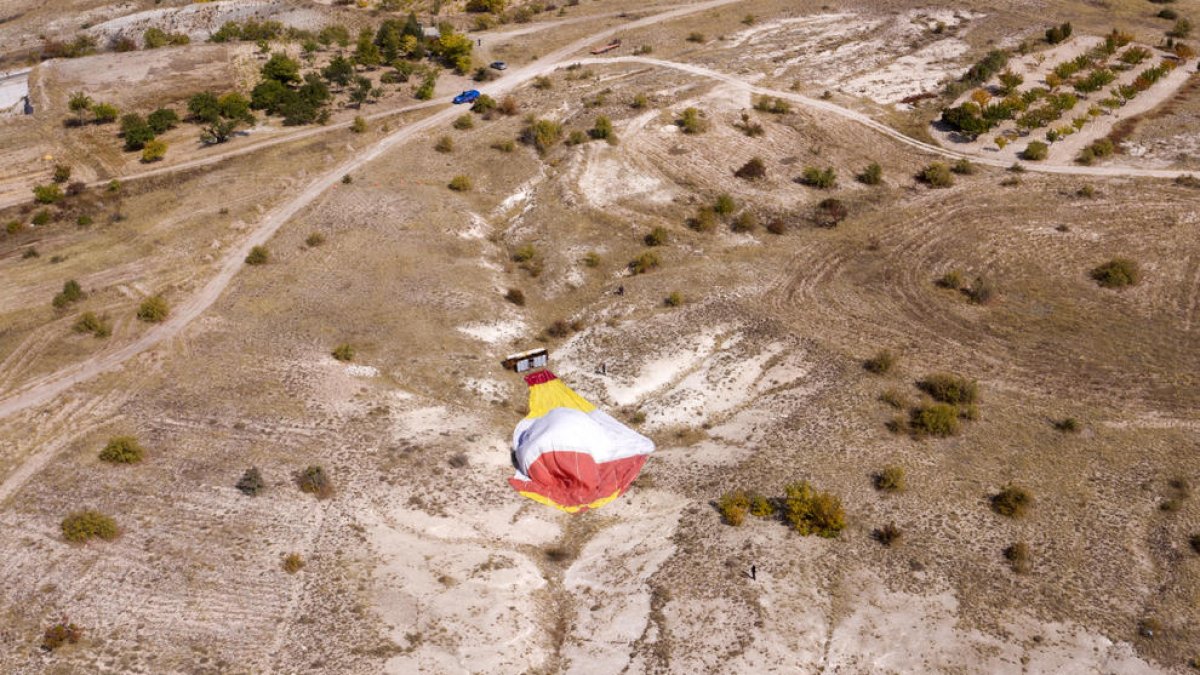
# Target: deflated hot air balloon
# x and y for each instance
(570, 455)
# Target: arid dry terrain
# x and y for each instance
(751, 230)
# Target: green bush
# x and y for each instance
(1035, 151)
(1012, 501)
(464, 122)
(359, 125)
(724, 205)
(41, 217)
(460, 183)
(343, 352)
(62, 173)
(733, 507)
(292, 563)
(315, 481)
(259, 255)
(938, 419)
(760, 506)
(153, 309)
(47, 194)
(822, 179)
(872, 175)
(1117, 273)
(504, 146)
(950, 388)
(122, 450)
(90, 323)
(251, 483)
(80, 526)
(746, 221)
(541, 134)
(644, 263)
(963, 167)
(674, 299)
(162, 120)
(890, 479)
(656, 237)
(154, 151)
(704, 220)
(691, 122)
(71, 292)
(936, 175)
(812, 512)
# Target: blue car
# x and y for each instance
(467, 96)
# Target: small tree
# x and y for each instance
(251, 483)
(153, 309)
(154, 151)
(122, 450)
(259, 255)
(162, 120)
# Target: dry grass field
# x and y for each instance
(741, 351)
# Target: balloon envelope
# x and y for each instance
(569, 454)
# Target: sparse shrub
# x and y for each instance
(952, 280)
(777, 226)
(560, 328)
(746, 221)
(894, 398)
(515, 296)
(691, 122)
(1069, 425)
(460, 183)
(760, 506)
(1117, 273)
(872, 175)
(504, 146)
(602, 129)
(315, 239)
(315, 481)
(938, 419)
(881, 363)
(888, 535)
(62, 173)
(981, 291)
(58, 634)
(80, 526)
(464, 122)
(542, 82)
(639, 101)
(753, 169)
(592, 259)
(1194, 542)
(1086, 192)
(695, 37)
(71, 292)
(950, 388)
(292, 563)
(704, 220)
(644, 263)
(937, 175)
(90, 323)
(459, 461)
(347, 179)
(1012, 501)
(122, 450)
(41, 217)
(251, 483)
(1017, 556)
(259, 255)
(359, 125)
(772, 104)
(822, 179)
(445, 144)
(656, 237)
(890, 479)
(963, 167)
(343, 352)
(733, 507)
(509, 106)
(524, 253)
(1035, 151)
(724, 205)
(830, 212)
(674, 299)
(812, 512)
